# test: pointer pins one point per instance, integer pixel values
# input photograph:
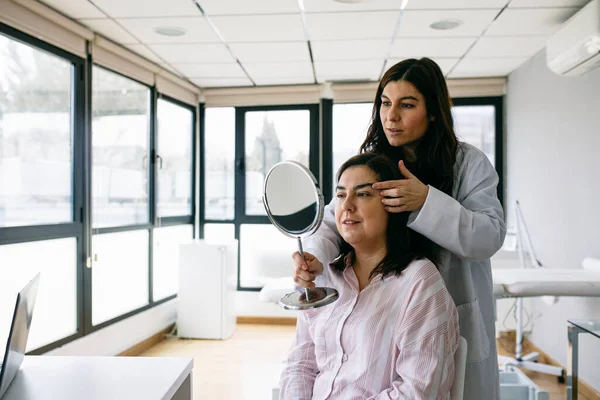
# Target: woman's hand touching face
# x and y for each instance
(403, 195)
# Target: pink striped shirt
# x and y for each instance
(395, 339)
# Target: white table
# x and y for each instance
(95, 378)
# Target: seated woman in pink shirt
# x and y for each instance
(393, 332)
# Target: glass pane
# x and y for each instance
(175, 130)
(35, 136)
(272, 136)
(119, 274)
(219, 233)
(265, 253)
(165, 267)
(476, 125)
(350, 125)
(120, 131)
(219, 155)
(55, 312)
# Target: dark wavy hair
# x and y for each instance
(403, 244)
(436, 152)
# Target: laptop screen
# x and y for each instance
(19, 332)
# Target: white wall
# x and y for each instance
(552, 159)
(123, 335)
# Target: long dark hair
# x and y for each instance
(436, 152)
(403, 244)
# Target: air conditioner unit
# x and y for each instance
(575, 48)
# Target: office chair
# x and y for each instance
(460, 365)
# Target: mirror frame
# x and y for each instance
(320, 201)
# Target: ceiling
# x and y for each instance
(229, 43)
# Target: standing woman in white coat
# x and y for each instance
(450, 190)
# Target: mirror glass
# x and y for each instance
(293, 199)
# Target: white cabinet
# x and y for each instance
(207, 289)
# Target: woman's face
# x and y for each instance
(403, 114)
(360, 215)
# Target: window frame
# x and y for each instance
(81, 151)
(75, 228)
(240, 217)
(498, 103)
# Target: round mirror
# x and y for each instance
(293, 200)
(294, 204)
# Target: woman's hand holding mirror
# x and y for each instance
(294, 204)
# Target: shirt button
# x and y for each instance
(344, 358)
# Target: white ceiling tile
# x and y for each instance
(349, 49)
(541, 21)
(75, 9)
(144, 51)
(445, 64)
(231, 70)
(146, 8)
(362, 70)
(454, 4)
(430, 47)
(196, 28)
(266, 81)
(503, 46)
(193, 53)
(245, 7)
(547, 3)
(221, 82)
(312, 6)
(270, 52)
(110, 29)
(417, 23)
(261, 28)
(315, 6)
(485, 67)
(346, 26)
(279, 70)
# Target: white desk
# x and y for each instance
(102, 378)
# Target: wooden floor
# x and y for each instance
(247, 366)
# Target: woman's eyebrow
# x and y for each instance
(409, 98)
(356, 187)
(402, 98)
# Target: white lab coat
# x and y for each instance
(470, 228)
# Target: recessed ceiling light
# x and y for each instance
(169, 31)
(446, 24)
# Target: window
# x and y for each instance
(120, 143)
(165, 266)
(350, 125)
(119, 274)
(477, 121)
(55, 313)
(476, 125)
(40, 193)
(241, 146)
(36, 128)
(140, 176)
(174, 156)
(270, 137)
(265, 253)
(219, 154)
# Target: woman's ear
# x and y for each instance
(432, 118)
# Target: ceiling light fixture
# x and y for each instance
(446, 24)
(170, 31)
